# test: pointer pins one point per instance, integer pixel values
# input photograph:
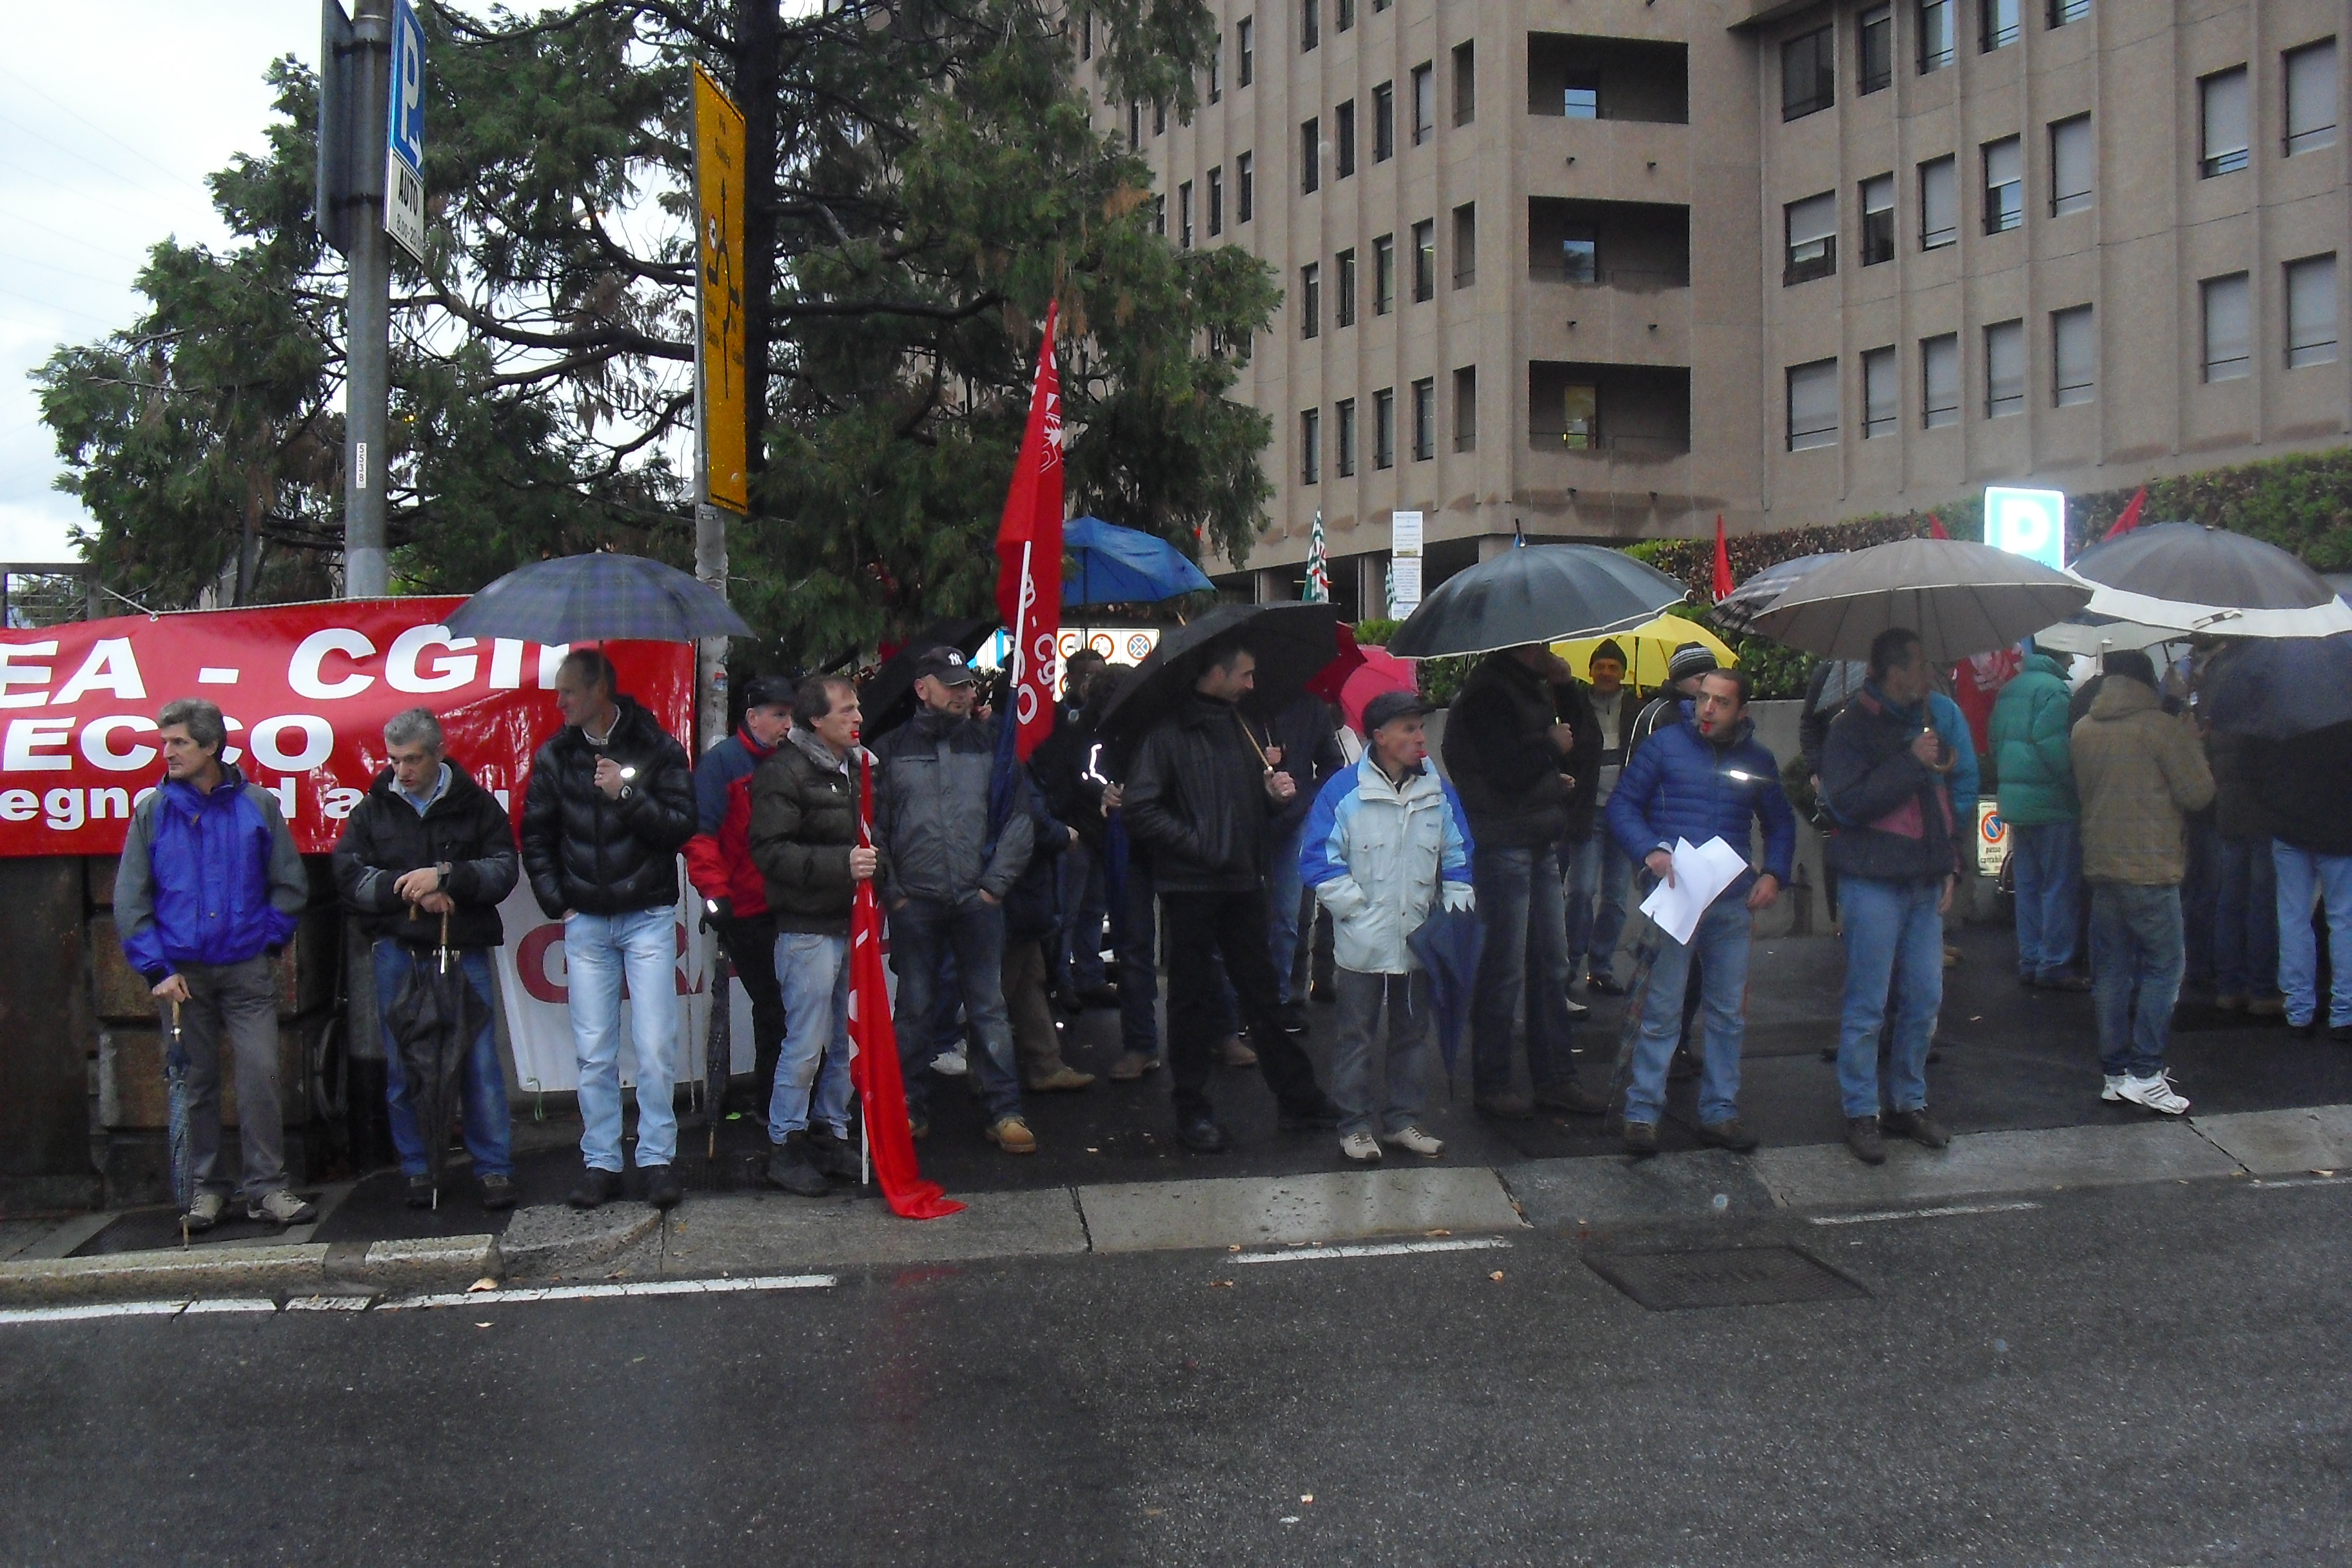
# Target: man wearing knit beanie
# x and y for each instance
(1592, 865)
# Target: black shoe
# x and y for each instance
(1323, 994)
(1293, 1017)
(420, 1192)
(1322, 1118)
(1918, 1126)
(1641, 1139)
(1682, 1067)
(789, 1168)
(1202, 1134)
(1571, 1096)
(1729, 1133)
(1099, 997)
(596, 1188)
(2341, 1033)
(1066, 1002)
(2304, 1030)
(1602, 983)
(2064, 980)
(1862, 1136)
(830, 1155)
(663, 1189)
(1505, 1107)
(497, 1192)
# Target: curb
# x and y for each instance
(305, 1270)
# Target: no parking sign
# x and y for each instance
(1992, 840)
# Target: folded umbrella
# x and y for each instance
(2192, 578)
(435, 1019)
(1293, 642)
(175, 1101)
(1734, 614)
(601, 597)
(2279, 688)
(1535, 594)
(1961, 597)
(1107, 564)
(1447, 944)
(1648, 648)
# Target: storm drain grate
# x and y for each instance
(1724, 1277)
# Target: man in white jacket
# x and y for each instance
(1384, 840)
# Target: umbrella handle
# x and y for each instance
(175, 1017)
(444, 941)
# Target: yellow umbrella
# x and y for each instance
(1647, 647)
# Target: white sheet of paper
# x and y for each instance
(1700, 873)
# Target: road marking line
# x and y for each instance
(99, 1309)
(230, 1304)
(487, 1298)
(1384, 1249)
(2302, 1181)
(1944, 1213)
(329, 1303)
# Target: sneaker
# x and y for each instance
(205, 1211)
(1603, 983)
(1571, 1096)
(2306, 1030)
(2270, 1006)
(790, 1168)
(282, 1207)
(1063, 1080)
(420, 1192)
(1361, 1147)
(2113, 1091)
(1505, 1107)
(919, 1127)
(497, 1193)
(951, 1064)
(1920, 1126)
(596, 1188)
(1234, 1054)
(1293, 1017)
(1576, 1009)
(1202, 1134)
(1862, 1136)
(1413, 1141)
(2341, 1033)
(1012, 1134)
(1729, 1133)
(1132, 1065)
(830, 1152)
(2156, 1093)
(2064, 980)
(1641, 1139)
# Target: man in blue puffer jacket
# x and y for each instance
(208, 891)
(1703, 778)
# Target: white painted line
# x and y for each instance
(488, 1299)
(2302, 1181)
(98, 1309)
(329, 1303)
(215, 675)
(231, 1304)
(1384, 1249)
(1944, 1213)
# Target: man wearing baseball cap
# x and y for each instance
(718, 861)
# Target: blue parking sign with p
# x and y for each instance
(2031, 523)
(404, 124)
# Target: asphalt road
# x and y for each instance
(2139, 1376)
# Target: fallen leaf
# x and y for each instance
(484, 1283)
(2323, 1172)
(481, 1325)
(1437, 1233)
(1496, 1275)
(1305, 1496)
(1154, 1513)
(1221, 1284)
(1234, 1247)
(635, 1359)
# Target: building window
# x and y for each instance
(1812, 405)
(1466, 409)
(1425, 419)
(2228, 323)
(1809, 73)
(1383, 122)
(1383, 275)
(1878, 219)
(1310, 445)
(1878, 54)
(1135, 123)
(2311, 312)
(1310, 158)
(1809, 228)
(1939, 204)
(1465, 83)
(1579, 418)
(1216, 203)
(2311, 97)
(1310, 301)
(1424, 103)
(1939, 381)
(1310, 24)
(1579, 253)
(1384, 428)
(1424, 260)
(1184, 215)
(1379, 5)
(1159, 117)
(2221, 118)
(1160, 215)
(1881, 394)
(1244, 188)
(2004, 185)
(1934, 35)
(1086, 34)
(2004, 23)
(2074, 357)
(1343, 140)
(2073, 157)
(2062, 12)
(1465, 245)
(1343, 438)
(1343, 289)
(2004, 369)
(1245, 51)
(1217, 71)
(1343, 15)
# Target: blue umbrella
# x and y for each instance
(597, 597)
(1447, 944)
(1113, 566)
(2279, 688)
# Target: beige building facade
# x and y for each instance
(1602, 269)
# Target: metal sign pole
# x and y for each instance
(366, 567)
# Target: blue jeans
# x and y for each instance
(2302, 875)
(812, 971)
(2049, 861)
(2245, 920)
(1524, 959)
(1138, 942)
(923, 933)
(1894, 951)
(1078, 964)
(2136, 959)
(2199, 892)
(1283, 888)
(1595, 867)
(1721, 943)
(483, 1091)
(599, 951)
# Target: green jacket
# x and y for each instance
(2142, 771)
(2033, 756)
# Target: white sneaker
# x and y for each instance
(1414, 1140)
(1576, 1009)
(1361, 1147)
(282, 1208)
(2114, 1089)
(2156, 1093)
(951, 1064)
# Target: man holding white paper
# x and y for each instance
(1682, 808)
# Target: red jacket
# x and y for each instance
(719, 855)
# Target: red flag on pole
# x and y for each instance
(1723, 582)
(1029, 555)
(2130, 519)
(874, 1060)
(1936, 529)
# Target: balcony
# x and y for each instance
(1593, 411)
(1639, 246)
(1580, 76)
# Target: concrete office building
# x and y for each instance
(1599, 270)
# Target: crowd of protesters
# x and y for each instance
(2146, 854)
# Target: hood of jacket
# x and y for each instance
(2121, 698)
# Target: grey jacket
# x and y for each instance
(931, 813)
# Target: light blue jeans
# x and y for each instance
(813, 971)
(483, 1087)
(2302, 875)
(1721, 943)
(1894, 943)
(2137, 954)
(2049, 891)
(1595, 867)
(1283, 888)
(599, 951)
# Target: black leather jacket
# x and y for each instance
(1196, 801)
(585, 852)
(385, 839)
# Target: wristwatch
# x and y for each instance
(443, 870)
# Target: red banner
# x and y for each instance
(1029, 555)
(306, 689)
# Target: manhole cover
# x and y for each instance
(1723, 1276)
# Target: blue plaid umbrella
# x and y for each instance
(597, 597)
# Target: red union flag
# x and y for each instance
(1029, 554)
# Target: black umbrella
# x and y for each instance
(718, 1043)
(2191, 578)
(1734, 614)
(2279, 688)
(597, 597)
(1536, 593)
(887, 697)
(1292, 642)
(435, 1021)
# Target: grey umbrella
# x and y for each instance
(2190, 578)
(1734, 614)
(1536, 593)
(600, 596)
(1961, 597)
(1292, 641)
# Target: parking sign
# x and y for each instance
(403, 132)
(2031, 523)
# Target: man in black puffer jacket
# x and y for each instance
(610, 804)
(429, 851)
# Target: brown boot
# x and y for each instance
(1132, 1065)
(1234, 1054)
(1059, 1078)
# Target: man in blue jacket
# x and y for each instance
(207, 892)
(1706, 777)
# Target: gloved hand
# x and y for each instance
(1459, 897)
